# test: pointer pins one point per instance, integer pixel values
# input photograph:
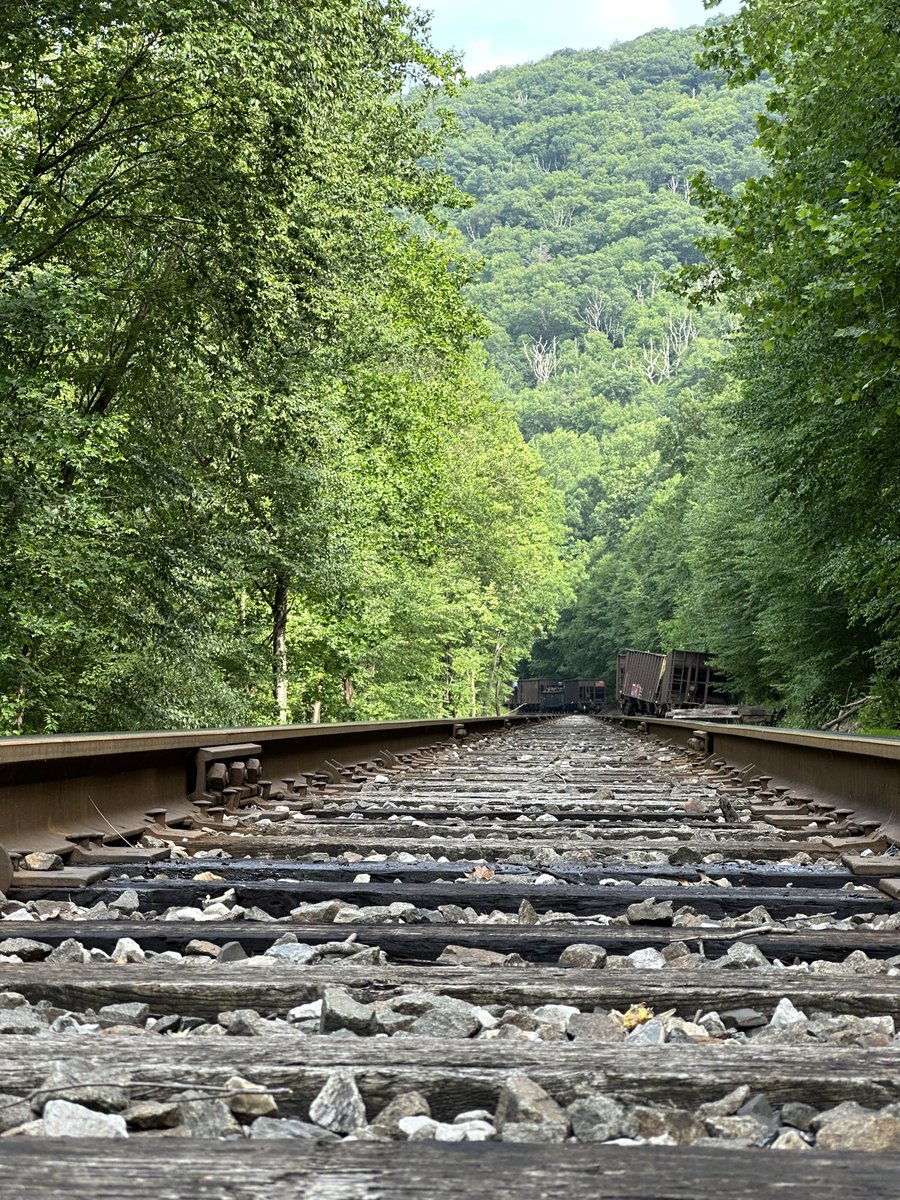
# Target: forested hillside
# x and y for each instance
(581, 166)
(719, 420)
(251, 469)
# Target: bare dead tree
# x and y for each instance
(657, 362)
(662, 362)
(542, 357)
(681, 333)
(541, 253)
(593, 313)
(562, 215)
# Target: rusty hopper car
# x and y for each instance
(558, 695)
(528, 695)
(583, 695)
(655, 683)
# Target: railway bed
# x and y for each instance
(563, 959)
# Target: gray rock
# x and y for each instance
(418, 1128)
(231, 952)
(874, 1131)
(42, 862)
(26, 948)
(596, 1118)
(298, 953)
(407, 1104)
(242, 1022)
(646, 1122)
(741, 1018)
(64, 1119)
(448, 1018)
(787, 1016)
(255, 913)
(759, 1108)
(79, 1084)
(127, 950)
(678, 950)
(848, 1110)
(475, 956)
(341, 1011)
(647, 959)
(69, 951)
(649, 1033)
(595, 1027)
(67, 1023)
(582, 954)
(741, 956)
(557, 1015)
(21, 1020)
(206, 1117)
(790, 1139)
(267, 1128)
(472, 1114)
(370, 955)
(745, 1129)
(322, 913)
(798, 1115)
(714, 1025)
(13, 1111)
(339, 1106)
(475, 1131)
(126, 902)
(522, 1101)
(849, 1030)
(727, 1106)
(388, 1021)
(650, 912)
(532, 1131)
(249, 1099)
(123, 1014)
(311, 1012)
(152, 1114)
(12, 1000)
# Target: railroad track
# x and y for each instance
(563, 959)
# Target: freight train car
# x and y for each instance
(655, 683)
(558, 695)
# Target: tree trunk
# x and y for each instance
(316, 712)
(494, 675)
(279, 646)
(448, 683)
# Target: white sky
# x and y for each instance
(493, 33)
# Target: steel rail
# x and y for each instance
(59, 790)
(855, 774)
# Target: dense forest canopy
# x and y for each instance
(581, 168)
